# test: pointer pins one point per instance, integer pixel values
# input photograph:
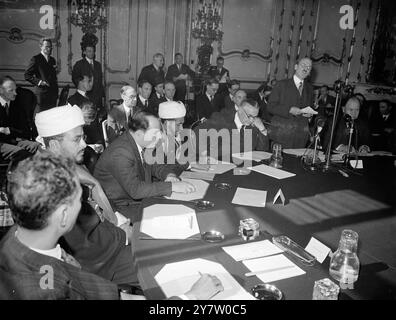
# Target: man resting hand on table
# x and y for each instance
(125, 174)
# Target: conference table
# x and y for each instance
(318, 204)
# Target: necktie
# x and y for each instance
(69, 259)
(143, 162)
(145, 104)
(7, 109)
(300, 88)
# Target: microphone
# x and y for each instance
(202, 120)
(320, 123)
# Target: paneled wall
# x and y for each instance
(274, 33)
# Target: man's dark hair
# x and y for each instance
(232, 83)
(80, 77)
(388, 103)
(139, 121)
(178, 54)
(142, 82)
(219, 58)
(5, 78)
(211, 81)
(42, 40)
(38, 186)
(168, 81)
(325, 86)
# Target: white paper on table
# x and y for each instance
(200, 175)
(221, 167)
(270, 263)
(200, 186)
(272, 172)
(252, 155)
(308, 110)
(252, 250)
(356, 164)
(250, 197)
(317, 249)
(177, 278)
(169, 221)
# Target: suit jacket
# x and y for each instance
(225, 120)
(141, 107)
(124, 179)
(360, 136)
(149, 73)
(173, 71)
(214, 72)
(21, 275)
(263, 104)
(204, 107)
(40, 69)
(94, 130)
(286, 129)
(154, 102)
(97, 93)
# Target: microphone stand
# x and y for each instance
(326, 166)
(313, 166)
(350, 131)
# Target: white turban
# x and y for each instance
(58, 120)
(171, 110)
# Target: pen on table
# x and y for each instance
(344, 173)
(249, 274)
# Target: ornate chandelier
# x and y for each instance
(90, 15)
(207, 24)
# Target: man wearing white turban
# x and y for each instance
(96, 243)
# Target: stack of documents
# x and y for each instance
(200, 175)
(169, 221)
(272, 172)
(250, 197)
(177, 278)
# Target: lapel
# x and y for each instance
(137, 156)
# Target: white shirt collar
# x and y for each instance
(127, 109)
(54, 253)
(297, 81)
(238, 122)
(142, 99)
(89, 60)
(83, 93)
(208, 95)
(140, 151)
(45, 56)
(236, 107)
(167, 99)
(3, 101)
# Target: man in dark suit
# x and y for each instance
(178, 73)
(88, 65)
(14, 124)
(154, 70)
(289, 125)
(84, 85)
(325, 103)
(383, 125)
(41, 72)
(245, 132)
(157, 96)
(124, 170)
(204, 103)
(144, 90)
(224, 99)
(117, 119)
(233, 104)
(261, 96)
(221, 74)
(350, 119)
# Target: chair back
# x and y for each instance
(63, 96)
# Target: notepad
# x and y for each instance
(279, 267)
(250, 197)
(252, 250)
(308, 110)
(272, 172)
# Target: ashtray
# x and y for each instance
(241, 171)
(265, 291)
(204, 204)
(213, 236)
(223, 186)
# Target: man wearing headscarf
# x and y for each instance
(94, 241)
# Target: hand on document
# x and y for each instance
(182, 187)
(205, 288)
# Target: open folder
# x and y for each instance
(169, 221)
